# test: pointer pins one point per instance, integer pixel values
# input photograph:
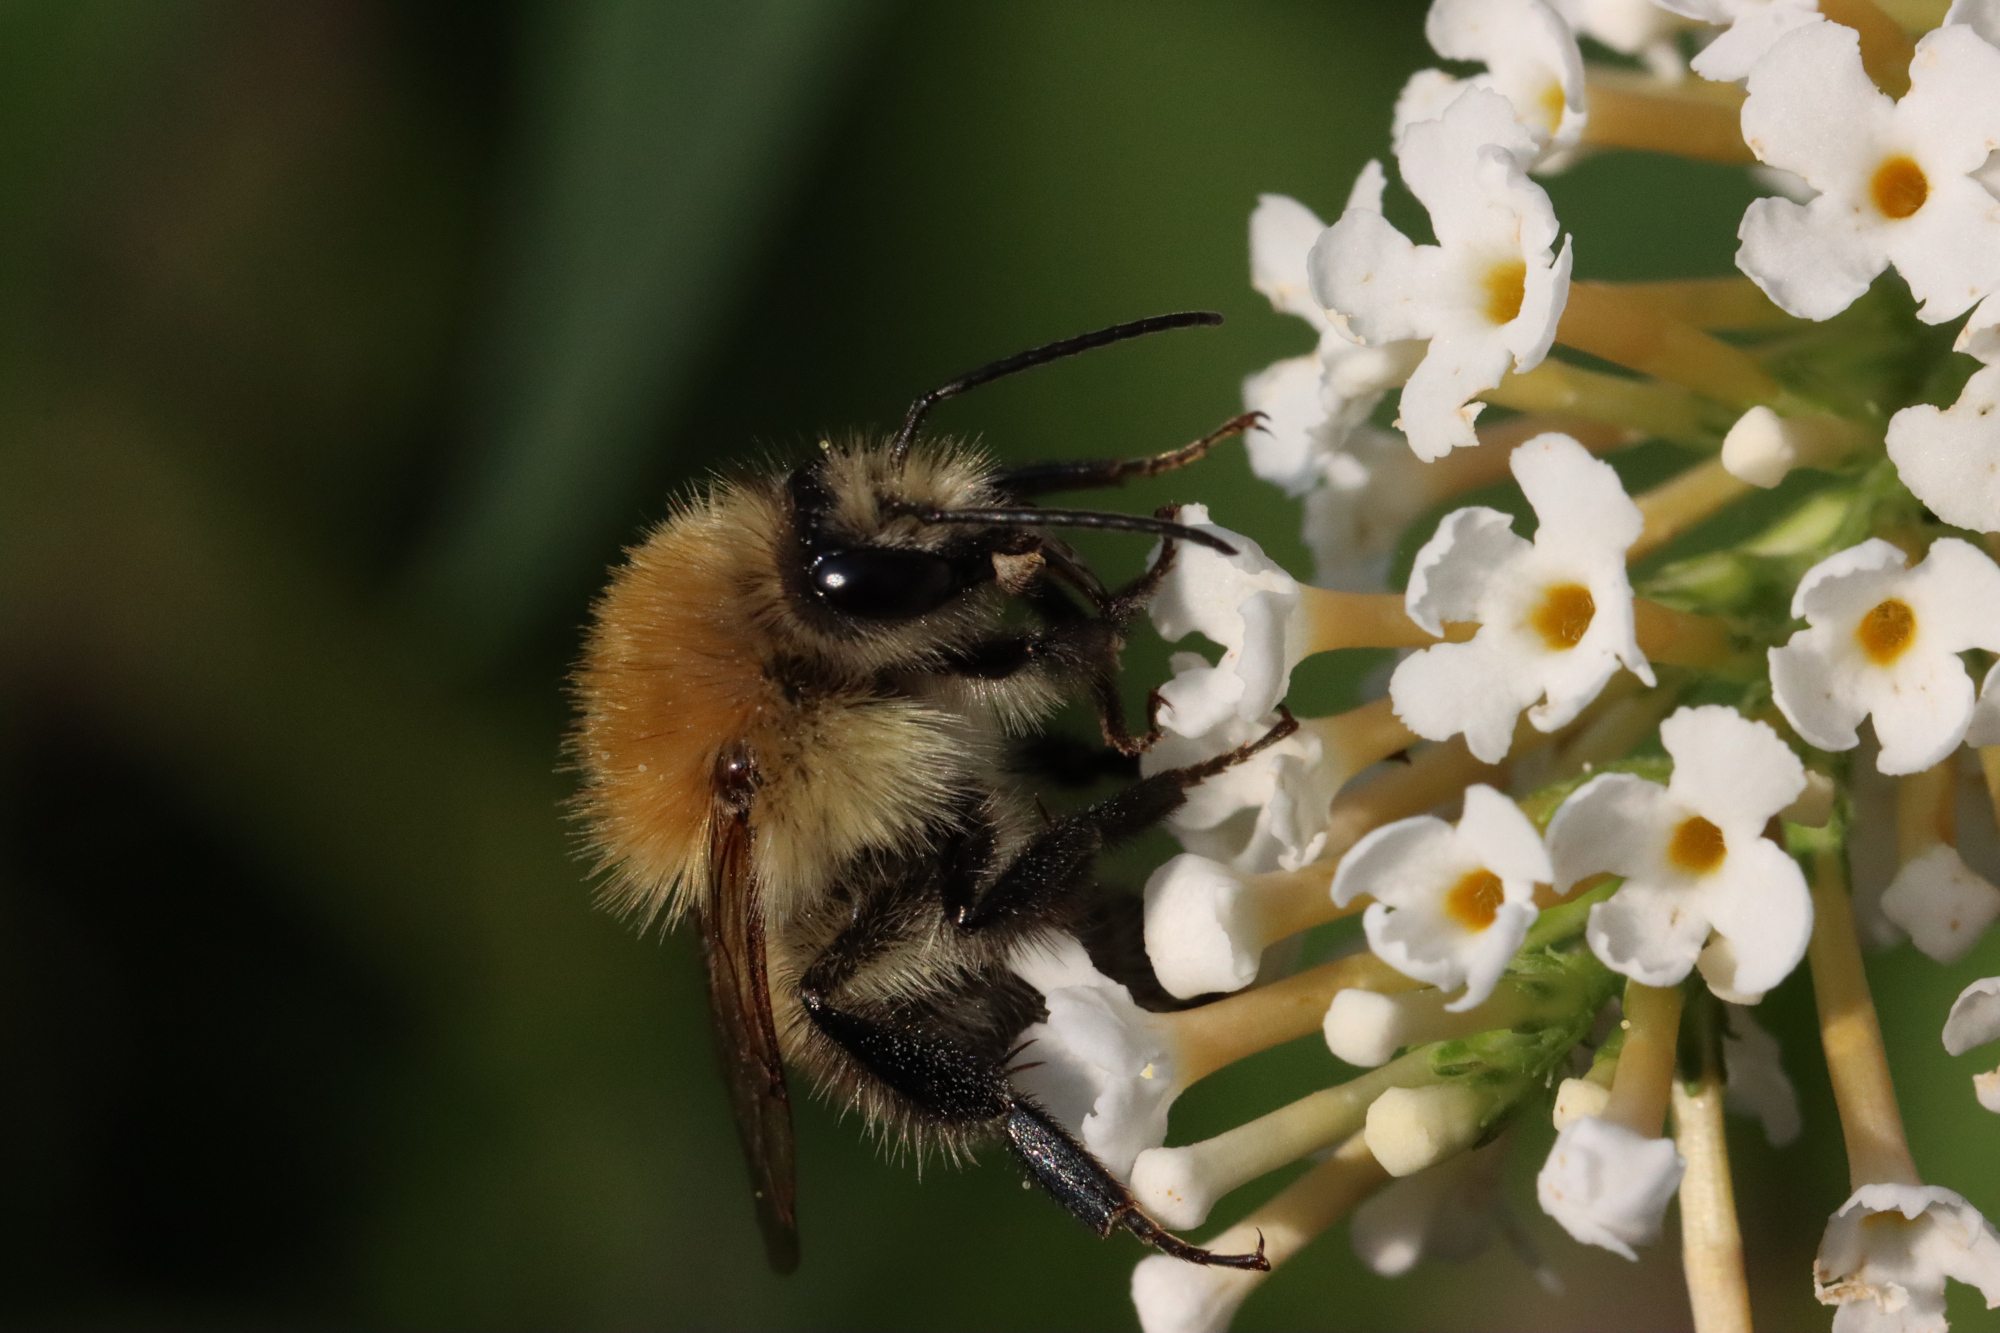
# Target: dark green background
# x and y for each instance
(342, 345)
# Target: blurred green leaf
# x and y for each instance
(663, 136)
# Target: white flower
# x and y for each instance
(1447, 1212)
(1884, 640)
(1373, 489)
(1754, 27)
(1895, 177)
(1632, 28)
(1267, 813)
(1173, 1296)
(1983, 16)
(1201, 928)
(1607, 1185)
(1487, 296)
(1950, 457)
(1943, 905)
(1531, 59)
(1101, 1065)
(1984, 728)
(1452, 903)
(1980, 335)
(1694, 859)
(1555, 614)
(1975, 1021)
(1311, 403)
(1887, 1252)
(1758, 1085)
(1244, 602)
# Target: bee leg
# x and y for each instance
(1074, 1178)
(1087, 474)
(1058, 861)
(1070, 762)
(957, 1085)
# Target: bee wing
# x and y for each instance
(746, 1038)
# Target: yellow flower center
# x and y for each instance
(1475, 900)
(1506, 288)
(1564, 616)
(1553, 105)
(1697, 846)
(1887, 631)
(1899, 187)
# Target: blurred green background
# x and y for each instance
(343, 343)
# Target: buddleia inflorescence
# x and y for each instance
(1609, 798)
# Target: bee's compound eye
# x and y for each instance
(883, 583)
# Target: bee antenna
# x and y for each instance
(1069, 518)
(899, 447)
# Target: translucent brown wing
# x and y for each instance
(739, 1003)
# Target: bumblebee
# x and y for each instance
(800, 699)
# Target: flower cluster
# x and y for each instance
(1635, 765)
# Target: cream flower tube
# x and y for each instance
(1178, 1186)
(1172, 1296)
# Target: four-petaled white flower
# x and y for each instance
(1694, 859)
(1894, 177)
(1101, 1065)
(1974, 1021)
(1312, 403)
(1531, 59)
(1887, 1252)
(1487, 296)
(1884, 640)
(1452, 903)
(1555, 614)
(1941, 903)
(1754, 27)
(1608, 1185)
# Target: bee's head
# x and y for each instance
(865, 551)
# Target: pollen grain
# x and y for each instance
(1899, 188)
(1887, 631)
(1475, 900)
(1564, 616)
(1697, 847)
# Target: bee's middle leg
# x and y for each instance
(961, 1087)
(1059, 859)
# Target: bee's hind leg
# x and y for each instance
(959, 1086)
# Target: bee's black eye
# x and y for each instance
(883, 583)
